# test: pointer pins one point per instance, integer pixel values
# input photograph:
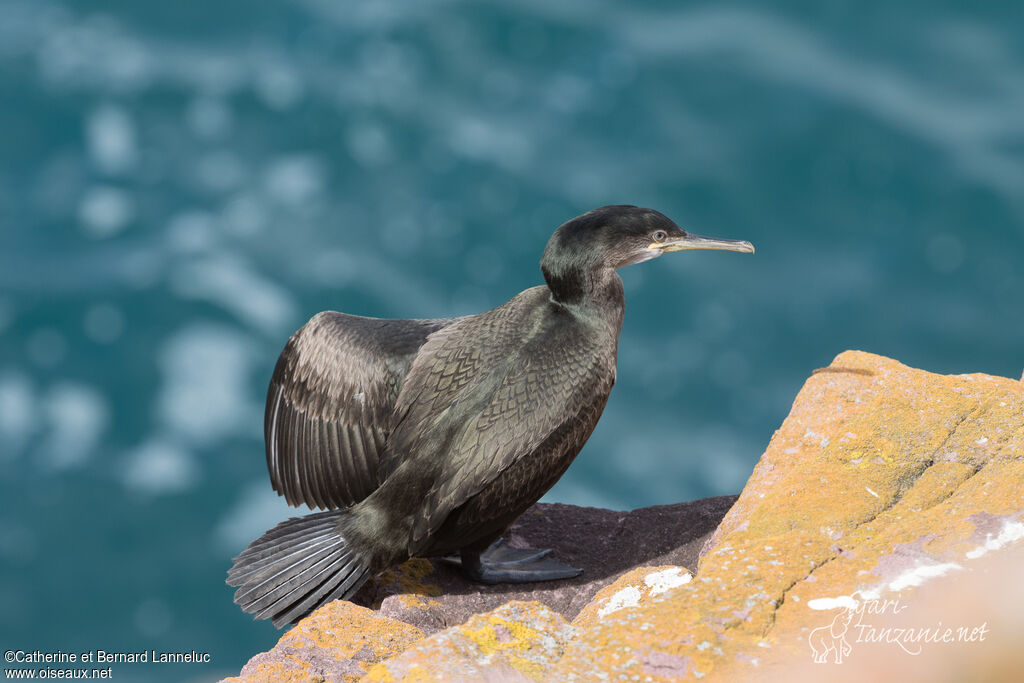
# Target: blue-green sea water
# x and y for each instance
(183, 184)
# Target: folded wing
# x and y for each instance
(330, 403)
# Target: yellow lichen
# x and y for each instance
(486, 638)
(533, 669)
(522, 633)
(411, 600)
(379, 673)
(411, 574)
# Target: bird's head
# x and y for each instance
(615, 236)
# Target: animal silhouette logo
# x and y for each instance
(831, 639)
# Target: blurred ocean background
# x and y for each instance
(184, 184)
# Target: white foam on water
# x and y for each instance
(110, 134)
(230, 282)
(77, 416)
(295, 179)
(256, 510)
(18, 412)
(105, 211)
(204, 393)
(159, 467)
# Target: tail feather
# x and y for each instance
(290, 530)
(290, 573)
(322, 593)
(288, 595)
(295, 567)
(267, 563)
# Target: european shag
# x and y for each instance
(430, 437)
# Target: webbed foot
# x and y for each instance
(501, 563)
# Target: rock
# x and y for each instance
(981, 601)
(887, 492)
(517, 642)
(633, 588)
(880, 478)
(337, 642)
(433, 595)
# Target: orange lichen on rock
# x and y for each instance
(516, 642)
(881, 477)
(411, 574)
(339, 641)
(407, 581)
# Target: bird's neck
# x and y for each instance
(597, 289)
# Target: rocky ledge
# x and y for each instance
(877, 536)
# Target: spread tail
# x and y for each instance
(295, 567)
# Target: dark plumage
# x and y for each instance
(430, 437)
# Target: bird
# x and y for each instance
(429, 437)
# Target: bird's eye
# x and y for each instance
(660, 236)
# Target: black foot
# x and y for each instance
(503, 564)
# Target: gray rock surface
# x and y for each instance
(433, 595)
